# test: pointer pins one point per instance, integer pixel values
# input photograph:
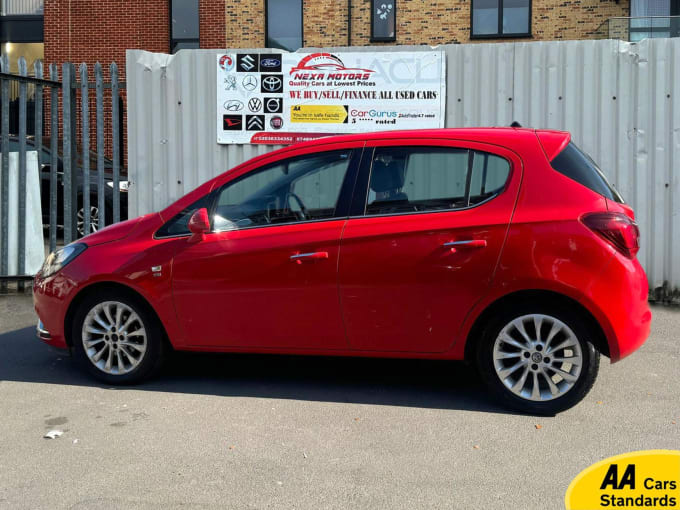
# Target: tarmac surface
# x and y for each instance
(246, 431)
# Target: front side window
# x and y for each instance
(284, 24)
(300, 189)
(501, 18)
(418, 179)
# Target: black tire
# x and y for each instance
(486, 365)
(152, 359)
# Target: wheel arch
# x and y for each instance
(98, 287)
(541, 296)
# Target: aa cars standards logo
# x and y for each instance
(646, 479)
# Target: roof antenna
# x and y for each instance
(515, 124)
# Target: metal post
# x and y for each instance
(4, 185)
(115, 127)
(54, 149)
(75, 180)
(67, 81)
(21, 238)
(101, 203)
(85, 116)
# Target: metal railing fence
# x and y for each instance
(80, 188)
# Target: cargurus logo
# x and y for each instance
(645, 479)
(373, 113)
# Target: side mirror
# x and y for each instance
(199, 224)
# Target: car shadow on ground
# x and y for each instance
(394, 382)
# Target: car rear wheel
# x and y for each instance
(538, 358)
(117, 339)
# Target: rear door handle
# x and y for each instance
(315, 255)
(469, 243)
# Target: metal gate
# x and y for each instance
(76, 135)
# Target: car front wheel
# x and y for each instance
(117, 339)
(539, 359)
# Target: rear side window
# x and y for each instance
(577, 165)
(418, 179)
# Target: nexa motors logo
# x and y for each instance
(320, 66)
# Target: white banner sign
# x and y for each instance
(280, 98)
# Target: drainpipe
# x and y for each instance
(349, 22)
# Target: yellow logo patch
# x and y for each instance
(645, 479)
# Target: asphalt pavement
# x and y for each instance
(246, 431)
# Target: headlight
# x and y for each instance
(122, 185)
(56, 260)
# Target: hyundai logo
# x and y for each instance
(270, 62)
(233, 105)
(272, 83)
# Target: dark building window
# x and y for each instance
(183, 25)
(501, 18)
(383, 20)
(283, 19)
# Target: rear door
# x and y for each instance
(428, 223)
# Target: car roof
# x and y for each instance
(493, 135)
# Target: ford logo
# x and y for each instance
(270, 62)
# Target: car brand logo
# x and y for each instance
(255, 105)
(276, 122)
(270, 63)
(254, 122)
(230, 83)
(272, 83)
(232, 122)
(246, 63)
(249, 82)
(233, 105)
(273, 105)
(226, 62)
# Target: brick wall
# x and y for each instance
(429, 22)
(211, 23)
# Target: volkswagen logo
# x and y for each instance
(272, 83)
(233, 105)
(249, 82)
(255, 105)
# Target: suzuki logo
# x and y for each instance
(272, 83)
(249, 82)
(254, 105)
(248, 63)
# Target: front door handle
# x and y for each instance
(298, 258)
(469, 243)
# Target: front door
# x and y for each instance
(426, 244)
(266, 277)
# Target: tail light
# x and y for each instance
(616, 228)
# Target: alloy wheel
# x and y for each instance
(94, 220)
(114, 338)
(537, 357)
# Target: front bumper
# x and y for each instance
(50, 299)
(42, 333)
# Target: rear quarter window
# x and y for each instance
(578, 166)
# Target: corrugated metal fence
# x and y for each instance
(620, 101)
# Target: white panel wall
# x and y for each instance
(620, 101)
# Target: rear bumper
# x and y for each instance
(621, 291)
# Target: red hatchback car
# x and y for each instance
(504, 247)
